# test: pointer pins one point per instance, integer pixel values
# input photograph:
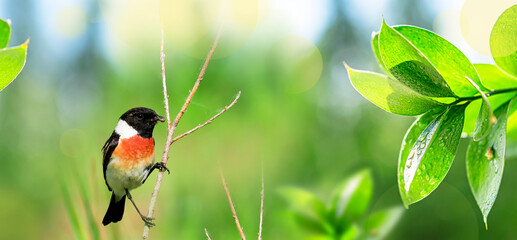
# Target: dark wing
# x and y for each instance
(107, 150)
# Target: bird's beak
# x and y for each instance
(160, 118)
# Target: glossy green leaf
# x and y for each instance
(308, 209)
(503, 41)
(380, 223)
(484, 121)
(352, 197)
(389, 94)
(409, 66)
(493, 78)
(5, 33)
(12, 61)
(485, 118)
(448, 60)
(427, 153)
(376, 51)
(472, 111)
(485, 163)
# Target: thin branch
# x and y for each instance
(234, 213)
(209, 120)
(165, 154)
(261, 205)
(164, 84)
(488, 94)
(198, 81)
(172, 127)
(207, 236)
(481, 93)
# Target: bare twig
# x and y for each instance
(207, 236)
(209, 120)
(198, 81)
(172, 127)
(165, 155)
(234, 213)
(261, 206)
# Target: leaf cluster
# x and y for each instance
(346, 216)
(12, 59)
(428, 77)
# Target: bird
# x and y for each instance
(128, 159)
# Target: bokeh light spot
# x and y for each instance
(477, 19)
(191, 25)
(298, 63)
(135, 22)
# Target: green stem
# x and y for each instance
(488, 94)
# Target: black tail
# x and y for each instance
(115, 210)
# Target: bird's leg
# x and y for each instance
(160, 166)
(148, 221)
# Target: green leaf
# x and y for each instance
(485, 163)
(427, 153)
(389, 94)
(472, 111)
(12, 61)
(409, 66)
(485, 118)
(448, 60)
(376, 51)
(503, 41)
(309, 211)
(484, 122)
(379, 224)
(352, 197)
(5, 33)
(351, 233)
(493, 78)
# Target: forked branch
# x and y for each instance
(172, 126)
(209, 120)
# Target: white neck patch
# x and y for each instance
(124, 130)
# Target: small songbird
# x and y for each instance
(129, 159)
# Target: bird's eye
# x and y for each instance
(140, 116)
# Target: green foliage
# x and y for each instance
(346, 216)
(389, 94)
(484, 121)
(311, 213)
(448, 60)
(427, 71)
(408, 64)
(427, 153)
(5, 33)
(493, 78)
(12, 59)
(485, 163)
(503, 42)
(352, 198)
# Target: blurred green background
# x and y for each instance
(89, 61)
